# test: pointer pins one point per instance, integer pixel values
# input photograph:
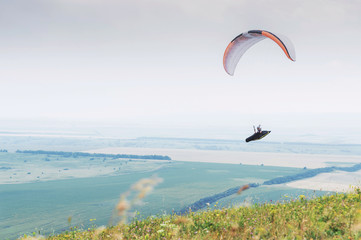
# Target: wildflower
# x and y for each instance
(146, 184)
(117, 237)
(34, 238)
(182, 220)
(122, 206)
(99, 230)
(69, 220)
(244, 187)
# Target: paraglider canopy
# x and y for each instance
(240, 44)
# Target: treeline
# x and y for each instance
(203, 202)
(311, 173)
(100, 155)
(3, 150)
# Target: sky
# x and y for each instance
(160, 62)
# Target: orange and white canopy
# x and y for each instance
(240, 44)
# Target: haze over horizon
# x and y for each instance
(159, 63)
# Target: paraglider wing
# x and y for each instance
(240, 44)
(257, 136)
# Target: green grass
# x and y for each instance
(336, 216)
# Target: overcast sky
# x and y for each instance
(161, 60)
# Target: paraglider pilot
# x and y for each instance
(259, 129)
(258, 134)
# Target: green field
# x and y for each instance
(29, 167)
(46, 206)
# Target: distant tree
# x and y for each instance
(100, 155)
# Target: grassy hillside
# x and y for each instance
(335, 216)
